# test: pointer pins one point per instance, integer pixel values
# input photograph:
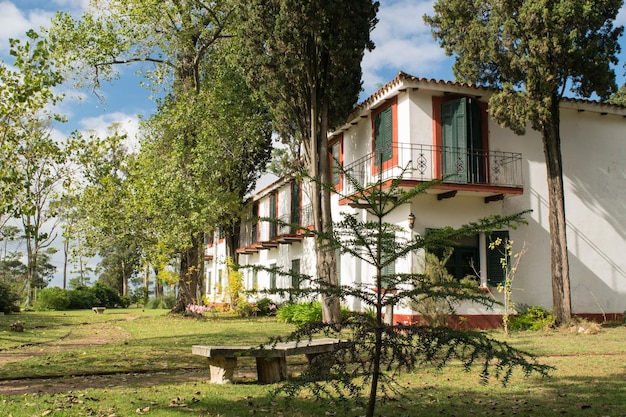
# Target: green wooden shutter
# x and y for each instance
(495, 272)
(273, 215)
(383, 136)
(454, 139)
(387, 272)
(390, 269)
(295, 273)
(273, 277)
(295, 205)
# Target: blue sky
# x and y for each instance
(403, 43)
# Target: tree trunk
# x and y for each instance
(561, 297)
(326, 264)
(66, 252)
(190, 282)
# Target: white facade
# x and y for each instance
(497, 173)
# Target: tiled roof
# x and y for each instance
(402, 77)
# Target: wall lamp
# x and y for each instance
(411, 221)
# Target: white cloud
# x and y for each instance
(403, 43)
(72, 5)
(105, 125)
(14, 22)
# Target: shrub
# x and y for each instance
(81, 298)
(305, 313)
(105, 296)
(246, 309)
(161, 302)
(300, 314)
(53, 298)
(534, 318)
(9, 300)
(266, 307)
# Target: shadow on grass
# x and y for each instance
(426, 393)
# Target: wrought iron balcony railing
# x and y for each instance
(253, 232)
(428, 162)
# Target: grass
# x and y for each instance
(590, 379)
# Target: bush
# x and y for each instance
(302, 314)
(165, 302)
(534, 318)
(266, 307)
(105, 296)
(53, 298)
(9, 300)
(81, 298)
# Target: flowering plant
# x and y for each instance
(197, 310)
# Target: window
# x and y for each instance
(495, 272)
(389, 270)
(336, 161)
(255, 280)
(296, 201)
(295, 274)
(461, 134)
(218, 284)
(465, 258)
(273, 277)
(273, 214)
(385, 135)
(208, 282)
(255, 221)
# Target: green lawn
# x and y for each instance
(590, 379)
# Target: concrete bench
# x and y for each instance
(271, 361)
(98, 310)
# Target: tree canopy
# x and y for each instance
(305, 59)
(533, 52)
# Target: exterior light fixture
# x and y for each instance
(411, 221)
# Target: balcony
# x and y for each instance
(289, 228)
(489, 173)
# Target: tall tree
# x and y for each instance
(33, 163)
(232, 143)
(106, 222)
(533, 52)
(25, 91)
(305, 58)
(179, 37)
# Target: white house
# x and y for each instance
(442, 129)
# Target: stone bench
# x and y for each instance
(271, 361)
(98, 310)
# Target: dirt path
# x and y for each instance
(71, 383)
(82, 336)
(86, 336)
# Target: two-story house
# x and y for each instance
(442, 130)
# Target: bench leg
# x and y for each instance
(222, 370)
(271, 370)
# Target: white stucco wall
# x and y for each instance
(594, 155)
(594, 150)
